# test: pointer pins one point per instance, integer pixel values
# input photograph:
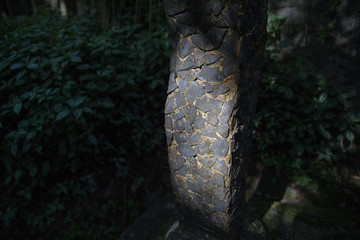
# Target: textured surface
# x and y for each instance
(217, 55)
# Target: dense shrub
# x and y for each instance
(301, 126)
(79, 103)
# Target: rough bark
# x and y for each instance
(214, 72)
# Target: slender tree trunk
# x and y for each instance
(214, 72)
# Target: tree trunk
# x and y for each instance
(214, 72)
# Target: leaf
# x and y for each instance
(1, 126)
(20, 74)
(31, 135)
(45, 169)
(17, 107)
(153, 84)
(14, 149)
(83, 67)
(75, 59)
(349, 136)
(33, 170)
(302, 74)
(61, 115)
(322, 97)
(77, 113)
(33, 66)
(75, 102)
(17, 174)
(92, 139)
(108, 104)
(17, 66)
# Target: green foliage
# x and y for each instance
(79, 103)
(301, 126)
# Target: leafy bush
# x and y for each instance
(301, 125)
(79, 103)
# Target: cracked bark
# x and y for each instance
(215, 69)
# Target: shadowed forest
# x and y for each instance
(83, 151)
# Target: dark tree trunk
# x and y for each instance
(214, 72)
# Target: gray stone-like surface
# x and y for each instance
(209, 162)
(208, 131)
(180, 160)
(186, 150)
(212, 117)
(217, 35)
(168, 137)
(219, 89)
(192, 186)
(211, 58)
(211, 74)
(217, 6)
(195, 90)
(183, 85)
(231, 16)
(174, 40)
(175, 165)
(189, 19)
(219, 193)
(191, 115)
(186, 30)
(228, 108)
(196, 139)
(180, 137)
(205, 24)
(220, 147)
(206, 172)
(219, 180)
(180, 114)
(172, 7)
(186, 47)
(168, 122)
(193, 171)
(179, 125)
(188, 74)
(199, 58)
(180, 100)
(206, 104)
(188, 127)
(173, 60)
(188, 64)
(222, 130)
(169, 105)
(228, 47)
(199, 122)
(229, 67)
(204, 148)
(203, 41)
(209, 87)
(219, 205)
(221, 166)
(172, 83)
(221, 23)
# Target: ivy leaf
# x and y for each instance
(14, 149)
(61, 115)
(17, 107)
(322, 97)
(17, 174)
(75, 102)
(75, 59)
(33, 66)
(349, 136)
(17, 66)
